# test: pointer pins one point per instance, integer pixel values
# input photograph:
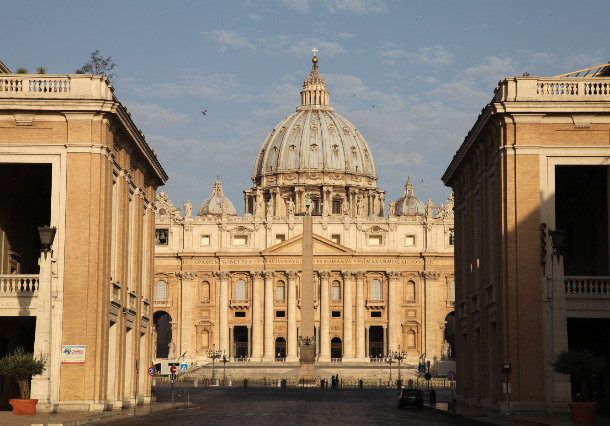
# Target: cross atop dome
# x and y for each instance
(314, 93)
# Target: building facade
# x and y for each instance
(71, 158)
(536, 161)
(383, 279)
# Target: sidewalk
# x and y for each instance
(486, 416)
(76, 418)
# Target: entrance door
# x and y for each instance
(280, 348)
(240, 350)
(376, 341)
(336, 348)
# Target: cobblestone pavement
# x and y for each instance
(296, 406)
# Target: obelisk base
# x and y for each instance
(308, 369)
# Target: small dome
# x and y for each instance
(409, 204)
(217, 204)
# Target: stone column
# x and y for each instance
(385, 340)
(223, 309)
(360, 344)
(348, 353)
(324, 317)
(231, 351)
(268, 338)
(393, 316)
(256, 317)
(249, 347)
(367, 342)
(431, 341)
(41, 384)
(291, 355)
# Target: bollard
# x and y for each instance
(283, 383)
(432, 396)
(361, 384)
(245, 383)
(207, 383)
(195, 382)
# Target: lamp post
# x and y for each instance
(390, 360)
(400, 355)
(213, 354)
(224, 360)
(47, 235)
(558, 240)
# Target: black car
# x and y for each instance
(411, 397)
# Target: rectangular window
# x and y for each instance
(410, 240)
(162, 237)
(335, 238)
(205, 240)
(240, 314)
(336, 314)
(336, 292)
(451, 237)
(375, 314)
(240, 240)
(375, 240)
(280, 314)
(280, 238)
(337, 207)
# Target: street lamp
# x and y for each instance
(224, 360)
(400, 355)
(558, 240)
(213, 354)
(389, 359)
(47, 235)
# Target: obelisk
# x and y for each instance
(307, 339)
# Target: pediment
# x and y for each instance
(294, 246)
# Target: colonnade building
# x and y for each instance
(383, 275)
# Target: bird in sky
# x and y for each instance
(373, 106)
(354, 96)
(203, 112)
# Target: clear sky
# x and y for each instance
(427, 67)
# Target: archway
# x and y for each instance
(450, 333)
(280, 348)
(336, 348)
(162, 321)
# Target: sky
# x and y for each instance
(412, 76)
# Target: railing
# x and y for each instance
(19, 284)
(375, 303)
(553, 89)
(587, 287)
(336, 360)
(55, 86)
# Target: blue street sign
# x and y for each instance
(151, 371)
(184, 367)
(422, 368)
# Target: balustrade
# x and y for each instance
(587, 287)
(19, 284)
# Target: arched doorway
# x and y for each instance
(336, 348)
(280, 348)
(450, 333)
(163, 322)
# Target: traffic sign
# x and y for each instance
(451, 375)
(421, 368)
(151, 371)
(184, 367)
(428, 376)
(172, 377)
(173, 369)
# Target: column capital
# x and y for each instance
(346, 274)
(394, 275)
(223, 275)
(324, 274)
(257, 275)
(431, 275)
(268, 274)
(292, 275)
(360, 275)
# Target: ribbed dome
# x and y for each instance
(217, 204)
(409, 204)
(314, 138)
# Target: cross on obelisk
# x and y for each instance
(307, 339)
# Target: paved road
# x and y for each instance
(296, 406)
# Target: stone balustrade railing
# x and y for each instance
(560, 89)
(587, 287)
(19, 284)
(73, 86)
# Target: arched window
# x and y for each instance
(336, 291)
(240, 290)
(410, 291)
(376, 290)
(161, 293)
(280, 291)
(205, 291)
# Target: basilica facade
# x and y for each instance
(384, 277)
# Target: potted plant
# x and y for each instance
(21, 366)
(582, 366)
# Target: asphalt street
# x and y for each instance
(295, 406)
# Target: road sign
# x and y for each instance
(173, 369)
(451, 375)
(151, 371)
(172, 377)
(184, 367)
(428, 376)
(421, 368)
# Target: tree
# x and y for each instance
(22, 70)
(97, 65)
(41, 70)
(21, 366)
(582, 366)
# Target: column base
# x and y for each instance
(324, 358)
(292, 359)
(267, 358)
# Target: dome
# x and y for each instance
(409, 204)
(314, 139)
(217, 204)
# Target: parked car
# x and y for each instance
(411, 397)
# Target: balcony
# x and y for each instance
(19, 285)
(51, 86)
(239, 303)
(581, 287)
(375, 303)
